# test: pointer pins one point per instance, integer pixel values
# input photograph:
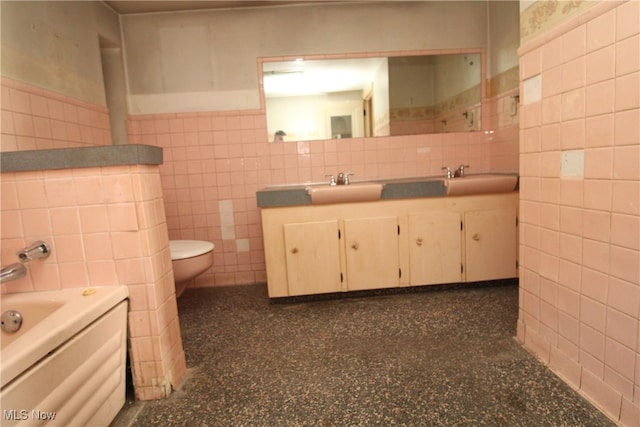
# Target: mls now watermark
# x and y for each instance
(23, 415)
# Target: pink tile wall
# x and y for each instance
(104, 227)
(580, 236)
(225, 157)
(37, 119)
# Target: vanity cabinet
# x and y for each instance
(315, 249)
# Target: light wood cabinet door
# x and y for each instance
(372, 259)
(312, 254)
(490, 244)
(341, 247)
(435, 248)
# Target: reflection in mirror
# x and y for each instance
(381, 96)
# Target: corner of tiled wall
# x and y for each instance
(102, 225)
(579, 204)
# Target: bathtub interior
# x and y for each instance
(33, 312)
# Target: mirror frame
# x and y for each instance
(356, 55)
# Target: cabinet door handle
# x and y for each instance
(294, 250)
(419, 241)
(355, 246)
(476, 237)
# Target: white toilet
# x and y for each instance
(189, 258)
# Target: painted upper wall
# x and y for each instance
(56, 45)
(504, 36)
(206, 61)
(217, 50)
(537, 16)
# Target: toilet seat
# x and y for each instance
(182, 249)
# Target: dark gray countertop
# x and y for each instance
(85, 157)
(272, 197)
(405, 188)
(402, 188)
(414, 187)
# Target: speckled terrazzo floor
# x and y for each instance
(431, 358)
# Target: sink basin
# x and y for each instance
(355, 192)
(480, 184)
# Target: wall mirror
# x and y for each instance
(315, 99)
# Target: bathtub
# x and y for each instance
(66, 364)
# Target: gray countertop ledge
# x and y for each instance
(84, 157)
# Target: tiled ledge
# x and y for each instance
(67, 158)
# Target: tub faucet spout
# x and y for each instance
(343, 178)
(12, 272)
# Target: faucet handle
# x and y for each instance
(449, 173)
(346, 177)
(460, 171)
(333, 179)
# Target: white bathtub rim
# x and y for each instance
(77, 312)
